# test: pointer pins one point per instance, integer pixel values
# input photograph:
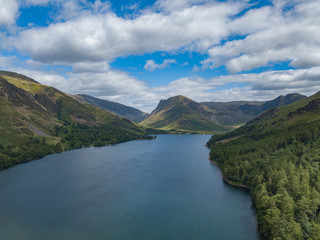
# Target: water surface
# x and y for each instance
(160, 189)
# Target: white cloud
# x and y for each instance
(293, 36)
(8, 12)
(174, 5)
(111, 85)
(93, 33)
(49, 78)
(88, 36)
(115, 86)
(151, 65)
(105, 36)
(89, 67)
(6, 61)
(251, 87)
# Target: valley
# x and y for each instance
(274, 152)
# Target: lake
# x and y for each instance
(147, 189)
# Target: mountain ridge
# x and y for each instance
(117, 108)
(239, 112)
(182, 113)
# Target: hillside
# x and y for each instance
(277, 156)
(182, 113)
(36, 120)
(235, 113)
(116, 108)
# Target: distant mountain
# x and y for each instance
(182, 113)
(116, 108)
(276, 155)
(233, 113)
(279, 101)
(36, 120)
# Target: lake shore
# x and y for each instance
(243, 187)
(231, 182)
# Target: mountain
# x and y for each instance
(276, 155)
(116, 108)
(239, 112)
(233, 113)
(279, 101)
(182, 113)
(36, 120)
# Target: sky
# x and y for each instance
(139, 52)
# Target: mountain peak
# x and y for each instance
(177, 99)
(172, 101)
(182, 113)
(180, 97)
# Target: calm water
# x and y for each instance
(160, 189)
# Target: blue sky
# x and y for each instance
(138, 52)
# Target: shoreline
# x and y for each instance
(53, 151)
(243, 187)
(230, 182)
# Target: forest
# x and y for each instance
(281, 168)
(70, 137)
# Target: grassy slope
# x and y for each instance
(277, 156)
(36, 120)
(181, 113)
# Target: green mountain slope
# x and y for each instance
(116, 108)
(36, 120)
(182, 113)
(277, 156)
(234, 113)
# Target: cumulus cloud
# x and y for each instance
(109, 84)
(174, 5)
(7, 61)
(115, 86)
(8, 11)
(92, 33)
(293, 36)
(151, 65)
(252, 87)
(105, 36)
(89, 67)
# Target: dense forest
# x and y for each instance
(70, 137)
(277, 156)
